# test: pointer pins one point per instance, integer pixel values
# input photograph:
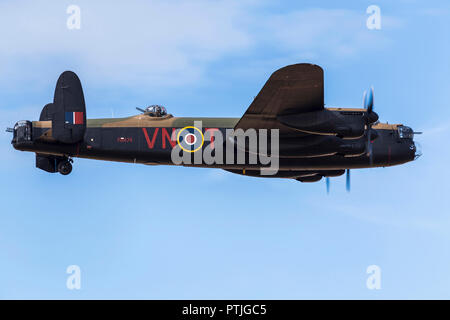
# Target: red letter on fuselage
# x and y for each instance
(165, 135)
(150, 144)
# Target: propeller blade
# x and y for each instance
(369, 146)
(370, 118)
(347, 180)
(9, 130)
(365, 99)
(328, 184)
(368, 100)
(141, 110)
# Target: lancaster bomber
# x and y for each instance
(307, 140)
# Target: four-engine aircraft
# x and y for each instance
(312, 141)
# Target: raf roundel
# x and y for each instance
(190, 139)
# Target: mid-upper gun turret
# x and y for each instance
(155, 110)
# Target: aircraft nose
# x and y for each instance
(407, 135)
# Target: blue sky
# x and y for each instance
(171, 232)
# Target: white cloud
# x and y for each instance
(326, 32)
(142, 43)
(149, 41)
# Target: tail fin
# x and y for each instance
(46, 113)
(68, 110)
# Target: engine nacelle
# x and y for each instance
(343, 123)
(331, 173)
(300, 175)
(314, 178)
(352, 149)
(321, 146)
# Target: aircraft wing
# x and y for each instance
(293, 89)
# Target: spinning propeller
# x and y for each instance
(347, 182)
(371, 117)
(327, 179)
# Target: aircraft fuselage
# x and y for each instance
(141, 139)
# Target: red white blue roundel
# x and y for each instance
(190, 139)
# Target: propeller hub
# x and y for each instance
(371, 117)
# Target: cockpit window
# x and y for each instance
(156, 111)
(405, 132)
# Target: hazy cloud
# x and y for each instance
(167, 43)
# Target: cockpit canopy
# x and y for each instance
(156, 111)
